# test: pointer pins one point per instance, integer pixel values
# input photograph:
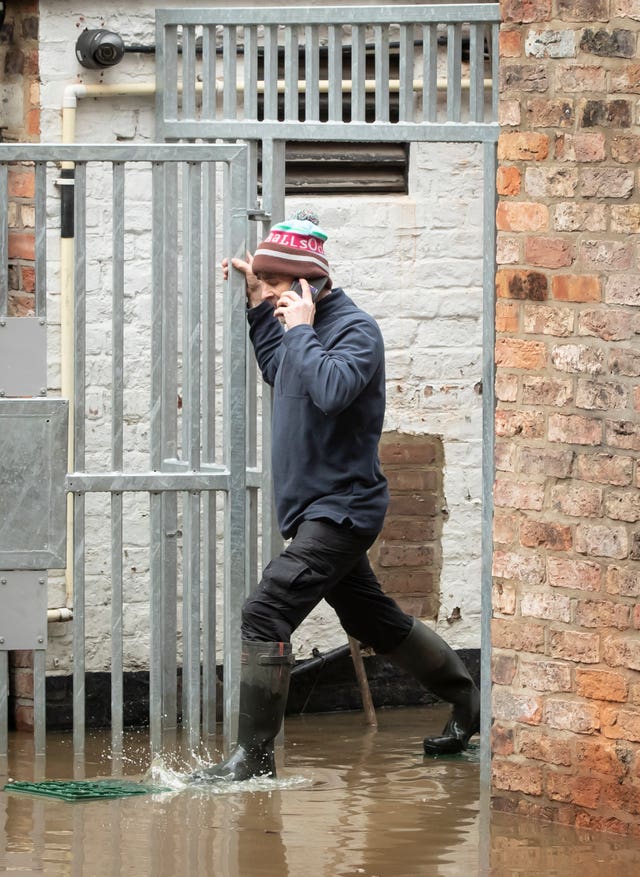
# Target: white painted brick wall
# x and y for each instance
(414, 262)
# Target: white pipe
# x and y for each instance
(55, 615)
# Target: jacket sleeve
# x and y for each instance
(266, 334)
(335, 377)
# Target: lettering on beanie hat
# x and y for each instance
(294, 248)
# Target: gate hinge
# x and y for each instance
(258, 215)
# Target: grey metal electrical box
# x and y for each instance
(23, 610)
(33, 466)
(23, 356)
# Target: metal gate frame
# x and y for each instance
(190, 107)
(196, 473)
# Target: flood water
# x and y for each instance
(349, 801)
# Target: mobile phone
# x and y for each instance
(316, 284)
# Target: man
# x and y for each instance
(325, 359)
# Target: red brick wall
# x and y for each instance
(566, 628)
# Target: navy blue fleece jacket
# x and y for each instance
(328, 411)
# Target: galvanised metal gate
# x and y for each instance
(158, 451)
(361, 73)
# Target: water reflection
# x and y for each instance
(350, 801)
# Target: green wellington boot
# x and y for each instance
(264, 685)
(434, 663)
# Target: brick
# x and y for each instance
(523, 77)
(546, 391)
(543, 747)
(525, 424)
(23, 717)
(517, 635)
(528, 569)
(513, 776)
(507, 252)
(547, 461)
(22, 183)
(522, 216)
(625, 148)
(580, 78)
(541, 534)
(581, 147)
(606, 182)
(601, 685)
(22, 658)
(601, 396)
(22, 683)
(519, 284)
(419, 450)
(626, 80)
(544, 252)
(604, 469)
(506, 387)
(22, 245)
(617, 43)
(518, 353)
(624, 581)
(576, 287)
(548, 320)
(510, 43)
(544, 113)
(573, 429)
(505, 455)
(578, 358)
(606, 256)
(579, 790)
(623, 651)
(574, 574)
(623, 290)
(416, 581)
(408, 529)
(600, 541)
(623, 505)
(623, 434)
(572, 715)
(409, 479)
(625, 218)
(523, 11)
(405, 555)
(602, 613)
(518, 495)
(600, 756)
(508, 180)
(501, 740)
(625, 362)
(545, 675)
(523, 146)
(503, 669)
(508, 113)
(583, 10)
(626, 9)
(575, 646)
(605, 114)
(580, 217)
(551, 181)
(622, 724)
(624, 797)
(612, 324)
(515, 707)
(505, 528)
(503, 598)
(416, 504)
(548, 606)
(550, 44)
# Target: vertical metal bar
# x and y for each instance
(41, 240)
(230, 73)
(167, 74)
(4, 709)
(495, 61)
(188, 72)
(270, 72)
(454, 71)
(311, 74)
(191, 413)
(209, 93)
(476, 72)
(80, 288)
(335, 73)
(117, 455)
(39, 701)
(234, 439)
(358, 74)
(488, 444)
(250, 73)
(381, 42)
(4, 240)
(209, 267)
(291, 65)
(405, 96)
(252, 391)
(429, 73)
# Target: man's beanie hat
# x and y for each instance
(294, 248)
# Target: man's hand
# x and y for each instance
(252, 284)
(294, 309)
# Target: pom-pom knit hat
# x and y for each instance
(294, 248)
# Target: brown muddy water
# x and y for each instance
(349, 801)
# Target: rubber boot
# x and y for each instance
(264, 685)
(427, 656)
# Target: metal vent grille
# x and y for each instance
(351, 168)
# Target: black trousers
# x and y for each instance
(324, 561)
